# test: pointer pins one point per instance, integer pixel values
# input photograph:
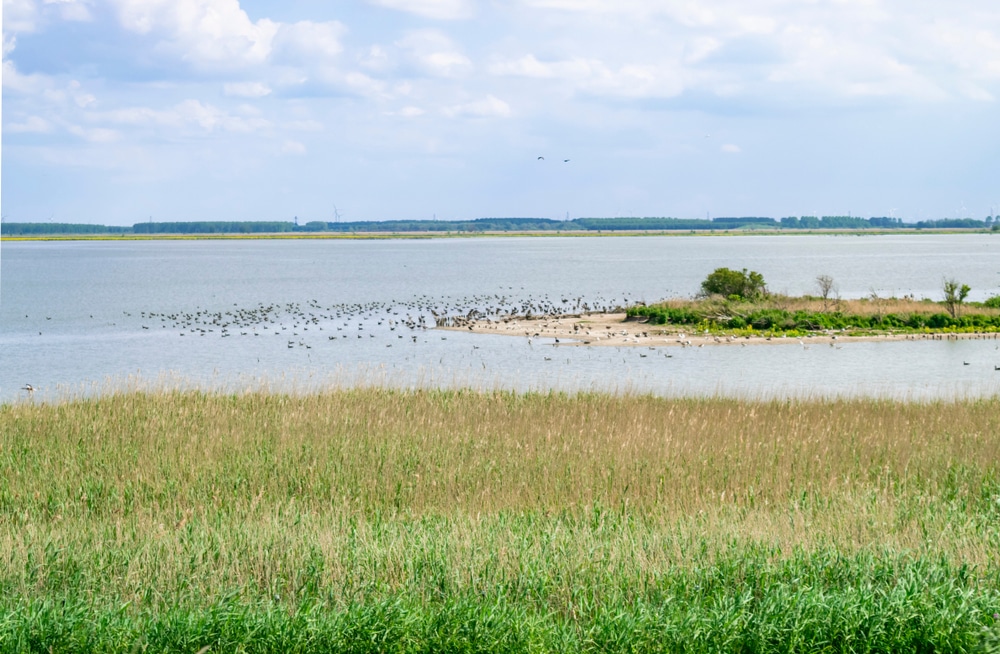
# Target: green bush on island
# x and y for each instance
(734, 284)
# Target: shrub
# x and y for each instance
(939, 321)
(743, 284)
(736, 323)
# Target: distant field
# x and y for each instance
(434, 521)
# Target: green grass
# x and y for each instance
(379, 520)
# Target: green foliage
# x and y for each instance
(743, 284)
(742, 602)
(665, 315)
(954, 296)
(37, 229)
(212, 227)
(773, 319)
(993, 302)
(472, 226)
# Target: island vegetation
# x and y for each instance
(497, 225)
(738, 303)
(379, 520)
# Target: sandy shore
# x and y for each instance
(604, 329)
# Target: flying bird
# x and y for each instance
(541, 158)
(565, 160)
(28, 387)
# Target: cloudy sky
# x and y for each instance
(121, 111)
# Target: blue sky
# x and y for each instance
(118, 111)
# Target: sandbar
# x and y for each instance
(612, 329)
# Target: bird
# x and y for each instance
(565, 160)
(28, 387)
(541, 158)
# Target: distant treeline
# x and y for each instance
(29, 229)
(500, 225)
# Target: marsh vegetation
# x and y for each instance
(739, 301)
(384, 520)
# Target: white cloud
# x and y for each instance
(577, 68)
(35, 124)
(433, 53)
(489, 107)
(851, 49)
(595, 77)
(407, 112)
(848, 68)
(187, 114)
(31, 84)
(438, 9)
(975, 92)
(9, 43)
(304, 125)
(293, 147)
(308, 42)
(246, 89)
(46, 89)
(375, 59)
(71, 10)
(204, 32)
(95, 134)
(81, 98)
(19, 16)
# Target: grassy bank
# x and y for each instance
(379, 520)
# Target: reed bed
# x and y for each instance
(372, 519)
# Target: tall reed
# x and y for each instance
(561, 511)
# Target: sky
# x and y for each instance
(122, 111)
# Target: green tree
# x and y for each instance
(748, 285)
(954, 296)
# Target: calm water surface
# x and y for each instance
(81, 317)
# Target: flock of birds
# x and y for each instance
(360, 320)
(301, 322)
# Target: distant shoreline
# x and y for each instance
(357, 236)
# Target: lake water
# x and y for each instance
(93, 316)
